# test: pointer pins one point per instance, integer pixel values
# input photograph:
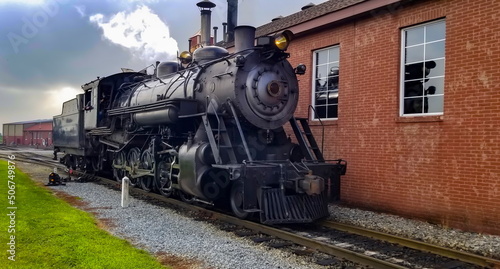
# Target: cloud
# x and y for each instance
(23, 2)
(141, 31)
(57, 97)
(81, 10)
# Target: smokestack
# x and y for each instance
(307, 6)
(232, 18)
(244, 37)
(215, 34)
(206, 12)
(224, 31)
(277, 18)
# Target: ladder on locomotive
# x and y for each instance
(306, 139)
(218, 136)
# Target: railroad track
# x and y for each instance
(312, 243)
(415, 244)
(28, 156)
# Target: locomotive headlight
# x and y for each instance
(279, 41)
(283, 39)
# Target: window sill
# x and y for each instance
(326, 122)
(403, 119)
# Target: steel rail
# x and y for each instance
(415, 244)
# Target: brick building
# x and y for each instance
(39, 135)
(13, 133)
(408, 93)
(28, 133)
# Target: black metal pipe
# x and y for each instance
(215, 34)
(224, 31)
(232, 18)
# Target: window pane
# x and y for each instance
(332, 97)
(438, 70)
(320, 85)
(332, 111)
(414, 54)
(414, 88)
(322, 57)
(413, 105)
(333, 77)
(333, 69)
(434, 104)
(333, 83)
(414, 71)
(434, 86)
(435, 31)
(434, 50)
(334, 54)
(320, 111)
(322, 71)
(414, 36)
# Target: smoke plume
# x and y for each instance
(141, 31)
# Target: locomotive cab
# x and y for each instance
(90, 105)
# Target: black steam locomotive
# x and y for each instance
(209, 128)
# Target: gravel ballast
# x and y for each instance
(482, 244)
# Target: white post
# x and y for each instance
(125, 192)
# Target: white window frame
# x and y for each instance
(313, 82)
(402, 68)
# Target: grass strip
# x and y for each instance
(49, 233)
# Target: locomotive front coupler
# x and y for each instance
(311, 184)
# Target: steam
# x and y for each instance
(141, 31)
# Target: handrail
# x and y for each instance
(322, 125)
(240, 131)
(218, 122)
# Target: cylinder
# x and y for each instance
(165, 115)
(244, 37)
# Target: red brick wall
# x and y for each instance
(12, 140)
(37, 138)
(38, 134)
(445, 169)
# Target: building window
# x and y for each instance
(422, 69)
(326, 83)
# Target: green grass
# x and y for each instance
(52, 234)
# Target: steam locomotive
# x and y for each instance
(209, 129)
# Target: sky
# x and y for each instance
(49, 48)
